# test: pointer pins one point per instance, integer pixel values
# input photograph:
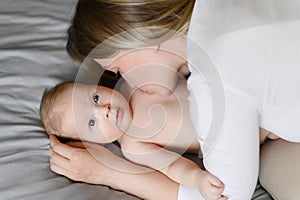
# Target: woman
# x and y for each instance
(224, 98)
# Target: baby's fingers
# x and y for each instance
(216, 192)
(215, 182)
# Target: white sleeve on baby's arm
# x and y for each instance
(188, 193)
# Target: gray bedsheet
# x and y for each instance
(32, 58)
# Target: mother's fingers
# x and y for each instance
(58, 163)
(60, 148)
(58, 159)
(53, 140)
(76, 144)
(65, 172)
(59, 170)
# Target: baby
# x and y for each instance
(152, 130)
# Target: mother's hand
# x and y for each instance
(75, 162)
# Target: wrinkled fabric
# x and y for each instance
(33, 58)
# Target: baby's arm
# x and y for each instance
(173, 165)
(79, 165)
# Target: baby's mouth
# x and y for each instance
(119, 115)
(115, 114)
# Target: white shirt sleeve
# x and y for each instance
(228, 135)
(226, 120)
(227, 123)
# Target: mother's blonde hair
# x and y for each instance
(125, 24)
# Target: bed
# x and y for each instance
(32, 58)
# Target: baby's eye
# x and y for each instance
(91, 123)
(96, 98)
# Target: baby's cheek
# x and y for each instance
(112, 134)
(163, 91)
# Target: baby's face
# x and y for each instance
(151, 69)
(94, 113)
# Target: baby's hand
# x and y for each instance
(211, 187)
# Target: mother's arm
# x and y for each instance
(78, 164)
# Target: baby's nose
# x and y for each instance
(103, 110)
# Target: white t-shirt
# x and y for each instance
(243, 76)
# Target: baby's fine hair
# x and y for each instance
(137, 24)
(50, 112)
